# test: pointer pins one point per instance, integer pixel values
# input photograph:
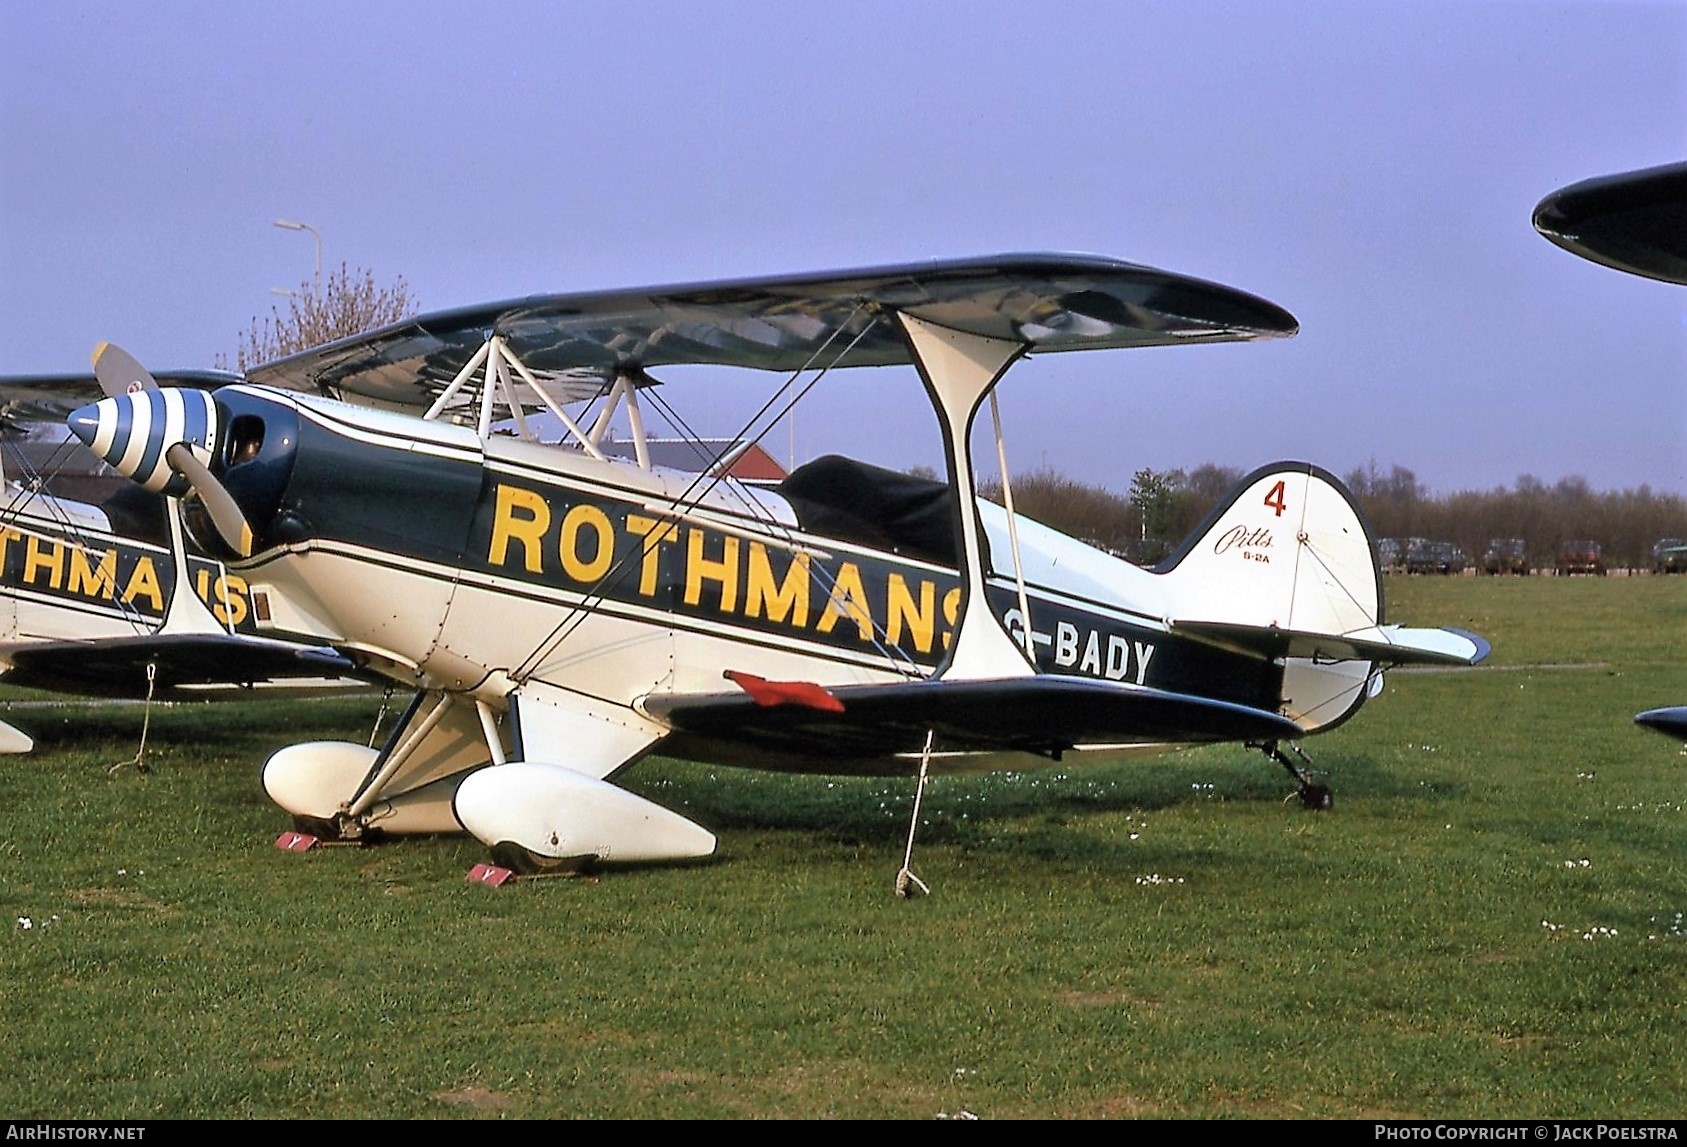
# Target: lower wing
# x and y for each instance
(1045, 716)
(190, 665)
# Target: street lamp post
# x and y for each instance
(295, 225)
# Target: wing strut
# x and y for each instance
(1013, 531)
(959, 369)
(626, 386)
(498, 387)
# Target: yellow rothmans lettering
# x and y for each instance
(714, 571)
(920, 617)
(521, 516)
(70, 567)
(776, 602)
(655, 533)
(230, 607)
(848, 599)
(951, 607)
(95, 581)
(225, 598)
(44, 554)
(144, 581)
(699, 569)
(588, 517)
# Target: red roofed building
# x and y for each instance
(746, 461)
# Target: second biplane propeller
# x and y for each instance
(129, 389)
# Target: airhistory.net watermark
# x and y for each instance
(94, 1132)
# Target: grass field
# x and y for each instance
(1490, 923)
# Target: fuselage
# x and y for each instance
(447, 562)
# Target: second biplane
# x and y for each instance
(100, 592)
(560, 612)
(1636, 222)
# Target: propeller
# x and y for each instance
(225, 512)
(119, 372)
(149, 434)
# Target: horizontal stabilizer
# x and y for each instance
(1044, 715)
(1383, 644)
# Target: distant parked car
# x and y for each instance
(1391, 554)
(1581, 557)
(1506, 556)
(1427, 557)
(1670, 556)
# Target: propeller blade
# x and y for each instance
(119, 372)
(225, 512)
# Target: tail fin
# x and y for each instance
(1286, 568)
(1288, 550)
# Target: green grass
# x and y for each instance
(1166, 938)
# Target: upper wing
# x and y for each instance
(1635, 222)
(1049, 302)
(1045, 715)
(35, 399)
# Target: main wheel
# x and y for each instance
(1319, 798)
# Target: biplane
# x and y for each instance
(1634, 222)
(100, 592)
(560, 612)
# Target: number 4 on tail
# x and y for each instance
(1276, 500)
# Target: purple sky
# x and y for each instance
(1370, 166)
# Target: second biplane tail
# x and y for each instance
(1286, 568)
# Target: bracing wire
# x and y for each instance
(699, 488)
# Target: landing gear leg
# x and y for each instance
(1312, 795)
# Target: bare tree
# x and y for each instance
(1096, 515)
(348, 302)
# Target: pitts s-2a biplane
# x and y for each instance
(561, 613)
(99, 592)
(1634, 222)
